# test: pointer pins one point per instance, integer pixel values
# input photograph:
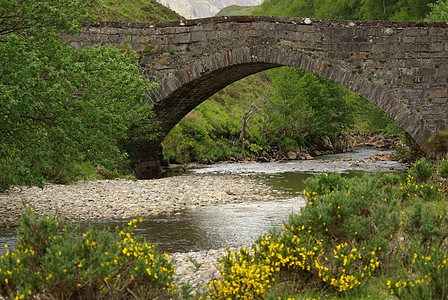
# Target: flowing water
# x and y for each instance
(231, 225)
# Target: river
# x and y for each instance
(232, 225)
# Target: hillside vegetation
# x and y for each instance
(394, 10)
(268, 114)
(65, 111)
(133, 10)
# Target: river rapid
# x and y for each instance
(224, 224)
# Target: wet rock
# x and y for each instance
(291, 155)
(204, 161)
(326, 142)
(174, 168)
(317, 153)
(307, 156)
(346, 142)
(380, 157)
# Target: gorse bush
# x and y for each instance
(351, 233)
(433, 276)
(443, 169)
(54, 260)
(422, 169)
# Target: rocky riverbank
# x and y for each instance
(347, 142)
(123, 199)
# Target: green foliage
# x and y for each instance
(306, 106)
(133, 11)
(360, 210)
(439, 11)
(422, 169)
(211, 129)
(443, 169)
(236, 10)
(397, 10)
(300, 108)
(54, 259)
(61, 106)
(437, 146)
(370, 118)
(384, 233)
(432, 284)
(36, 18)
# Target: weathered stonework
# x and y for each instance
(401, 67)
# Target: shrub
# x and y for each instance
(443, 169)
(55, 260)
(352, 231)
(422, 169)
(437, 146)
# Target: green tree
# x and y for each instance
(340, 9)
(287, 8)
(304, 106)
(60, 106)
(439, 12)
(397, 10)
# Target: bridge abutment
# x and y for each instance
(146, 159)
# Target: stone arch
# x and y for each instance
(183, 90)
(398, 66)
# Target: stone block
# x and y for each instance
(442, 93)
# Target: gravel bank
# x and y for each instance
(122, 199)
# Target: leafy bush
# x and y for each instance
(61, 106)
(431, 283)
(443, 169)
(422, 169)
(353, 231)
(55, 260)
(437, 146)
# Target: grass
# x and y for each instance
(211, 129)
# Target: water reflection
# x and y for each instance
(214, 227)
(292, 183)
(8, 237)
(240, 224)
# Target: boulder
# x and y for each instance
(291, 155)
(326, 142)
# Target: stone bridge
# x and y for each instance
(400, 67)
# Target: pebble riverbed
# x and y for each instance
(124, 199)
